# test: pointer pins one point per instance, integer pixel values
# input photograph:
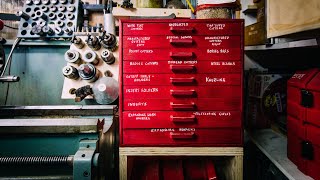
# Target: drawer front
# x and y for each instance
(183, 137)
(182, 28)
(204, 54)
(173, 119)
(296, 110)
(313, 116)
(182, 67)
(168, 42)
(182, 79)
(222, 104)
(158, 92)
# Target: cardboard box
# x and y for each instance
(255, 34)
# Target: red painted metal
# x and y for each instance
(191, 54)
(182, 27)
(1, 24)
(158, 92)
(229, 104)
(169, 42)
(182, 137)
(303, 121)
(176, 119)
(176, 76)
(182, 67)
(182, 79)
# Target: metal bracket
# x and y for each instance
(83, 160)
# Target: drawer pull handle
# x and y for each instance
(190, 119)
(183, 93)
(186, 135)
(181, 54)
(182, 29)
(191, 80)
(182, 68)
(181, 41)
(190, 106)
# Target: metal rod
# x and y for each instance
(79, 125)
(37, 178)
(68, 110)
(37, 160)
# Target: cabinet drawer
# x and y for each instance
(168, 42)
(204, 54)
(208, 104)
(182, 137)
(183, 28)
(173, 119)
(181, 67)
(181, 79)
(158, 92)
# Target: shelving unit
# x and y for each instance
(314, 42)
(274, 146)
(233, 169)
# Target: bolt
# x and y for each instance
(83, 155)
(85, 174)
(89, 55)
(70, 55)
(67, 70)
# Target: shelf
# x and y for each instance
(38, 43)
(285, 45)
(252, 9)
(119, 12)
(274, 146)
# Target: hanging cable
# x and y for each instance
(14, 45)
(11, 27)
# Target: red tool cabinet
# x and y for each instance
(304, 121)
(181, 82)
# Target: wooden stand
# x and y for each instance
(233, 169)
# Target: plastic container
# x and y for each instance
(206, 10)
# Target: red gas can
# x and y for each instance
(181, 82)
(303, 121)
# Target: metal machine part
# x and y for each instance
(62, 8)
(54, 1)
(9, 78)
(37, 2)
(72, 56)
(65, 13)
(23, 15)
(106, 90)
(77, 42)
(90, 56)
(108, 41)
(71, 8)
(46, 2)
(88, 72)
(48, 30)
(93, 42)
(81, 93)
(70, 72)
(107, 56)
(44, 8)
(29, 2)
(79, 145)
(37, 29)
(58, 31)
(52, 16)
(68, 31)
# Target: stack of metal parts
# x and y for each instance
(90, 58)
(57, 142)
(49, 18)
